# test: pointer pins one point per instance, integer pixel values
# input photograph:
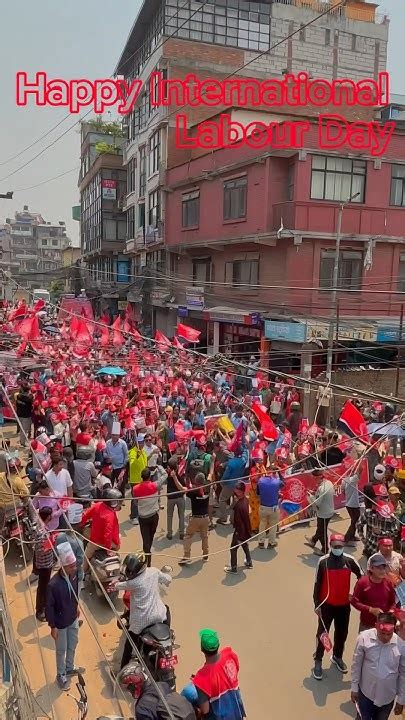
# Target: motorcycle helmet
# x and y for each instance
(133, 678)
(134, 564)
(113, 496)
(379, 473)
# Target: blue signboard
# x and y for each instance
(287, 331)
(389, 334)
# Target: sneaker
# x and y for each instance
(185, 561)
(309, 541)
(205, 558)
(134, 521)
(75, 671)
(248, 565)
(40, 616)
(317, 670)
(63, 682)
(229, 569)
(340, 664)
(169, 536)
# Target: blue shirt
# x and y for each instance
(235, 469)
(118, 453)
(268, 489)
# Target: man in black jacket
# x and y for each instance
(23, 405)
(241, 529)
(154, 701)
(62, 615)
(332, 601)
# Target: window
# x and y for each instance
(54, 243)
(202, 269)
(154, 153)
(242, 272)
(327, 37)
(141, 215)
(350, 269)
(235, 192)
(190, 208)
(401, 274)
(110, 229)
(142, 171)
(154, 209)
(398, 185)
(44, 241)
(131, 176)
(290, 181)
(131, 222)
(335, 178)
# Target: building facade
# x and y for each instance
(219, 39)
(102, 184)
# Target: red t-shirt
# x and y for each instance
(105, 529)
(368, 594)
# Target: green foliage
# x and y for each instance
(107, 128)
(103, 147)
(56, 289)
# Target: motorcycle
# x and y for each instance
(19, 527)
(107, 568)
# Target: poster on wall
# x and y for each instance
(109, 189)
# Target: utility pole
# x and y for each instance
(335, 280)
(401, 325)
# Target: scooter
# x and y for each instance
(107, 568)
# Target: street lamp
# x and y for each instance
(334, 288)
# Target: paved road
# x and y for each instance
(266, 614)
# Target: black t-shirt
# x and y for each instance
(151, 707)
(171, 487)
(331, 456)
(199, 502)
(23, 404)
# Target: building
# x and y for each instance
(103, 184)
(36, 247)
(73, 280)
(8, 264)
(218, 40)
(255, 232)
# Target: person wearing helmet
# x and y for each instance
(105, 530)
(146, 606)
(152, 698)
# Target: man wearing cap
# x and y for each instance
(378, 671)
(395, 561)
(374, 593)
(24, 406)
(216, 683)
(62, 615)
(137, 461)
(332, 600)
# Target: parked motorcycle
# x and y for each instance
(19, 527)
(107, 568)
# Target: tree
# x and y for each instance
(56, 289)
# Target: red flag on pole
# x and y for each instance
(118, 338)
(352, 423)
(267, 426)
(162, 339)
(188, 333)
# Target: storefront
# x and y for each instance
(234, 333)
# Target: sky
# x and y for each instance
(78, 38)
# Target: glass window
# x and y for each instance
(131, 222)
(154, 153)
(154, 209)
(190, 208)
(202, 271)
(338, 178)
(242, 272)
(350, 269)
(131, 175)
(398, 185)
(142, 171)
(235, 196)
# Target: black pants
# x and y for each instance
(354, 514)
(114, 478)
(234, 551)
(44, 576)
(128, 650)
(148, 527)
(321, 533)
(340, 616)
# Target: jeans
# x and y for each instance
(340, 616)
(321, 533)
(180, 503)
(65, 645)
(369, 711)
(134, 509)
(354, 514)
(148, 527)
(234, 551)
(226, 494)
(44, 576)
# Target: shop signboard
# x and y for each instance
(195, 298)
(182, 311)
(320, 331)
(390, 334)
(109, 189)
(294, 332)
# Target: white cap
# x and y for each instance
(66, 554)
(116, 428)
(379, 472)
(140, 437)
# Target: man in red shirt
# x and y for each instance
(332, 600)
(105, 529)
(374, 593)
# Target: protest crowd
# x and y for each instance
(113, 426)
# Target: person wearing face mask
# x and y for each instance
(332, 601)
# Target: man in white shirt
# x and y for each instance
(378, 671)
(59, 478)
(325, 509)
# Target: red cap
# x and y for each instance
(380, 490)
(385, 627)
(385, 542)
(337, 537)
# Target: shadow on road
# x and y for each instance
(330, 684)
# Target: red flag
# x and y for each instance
(177, 344)
(136, 335)
(352, 423)
(237, 439)
(21, 348)
(267, 426)
(28, 328)
(162, 339)
(118, 338)
(188, 333)
(105, 333)
(39, 305)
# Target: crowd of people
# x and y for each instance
(166, 432)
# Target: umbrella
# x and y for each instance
(391, 429)
(116, 371)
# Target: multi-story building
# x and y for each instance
(255, 237)
(219, 39)
(8, 264)
(51, 242)
(102, 184)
